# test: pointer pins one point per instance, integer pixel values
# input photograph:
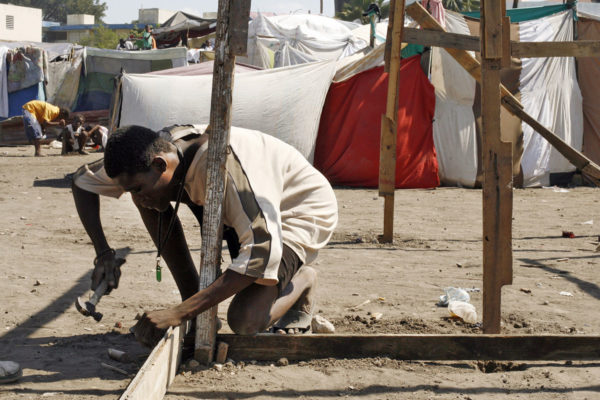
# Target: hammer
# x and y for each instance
(88, 308)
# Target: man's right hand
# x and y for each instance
(108, 267)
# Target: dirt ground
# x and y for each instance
(47, 261)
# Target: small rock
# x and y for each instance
(218, 367)
(546, 303)
(282, 362)
(459, 265)
(193, 364)
(517, 325)
(568, 362)
(23, 218)
(37, 283)
(378, 363)
(118, 324)
(321, 325)
(33, 291)
(376, 316)
(525, 290)
(375, 198)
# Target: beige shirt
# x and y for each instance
(273, 197)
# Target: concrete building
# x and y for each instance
(79, 26)
(20, 23)
(153, 16)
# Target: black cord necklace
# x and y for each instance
(161, 243)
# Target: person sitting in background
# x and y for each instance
(99, 135)
(124, 45)
(37, 115)
(75, 136)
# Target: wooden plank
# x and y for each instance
(269, 347)
(220, 122)
(429, 37)
(387, 165)
(156, 375)
(580, 48)
(471, 65)
(238, 22)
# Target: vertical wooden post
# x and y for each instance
(387, 158)
(231, 39)
(497, 169)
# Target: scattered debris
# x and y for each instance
(568, 234)
(562, 260)
(282, 362)
(118, 324)
(320, 324)
(453, 294)
(568, 294)
(525, 290)
(119, 356)
(218, 367)
(489, 367)
(463, 310)
(459, 265)
(193, 364)
(590, 222)
(37, 283)
(113, 368)
(376, 316)
(359, 305)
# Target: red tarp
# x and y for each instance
(347, 148)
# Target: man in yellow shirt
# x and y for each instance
(39, 114)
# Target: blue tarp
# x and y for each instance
(17, 99)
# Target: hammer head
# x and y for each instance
(88, 309)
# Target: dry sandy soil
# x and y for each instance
(47, 260)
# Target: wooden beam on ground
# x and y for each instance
(581, 48)
(156, 375)
(387, 158)
(469, 63)
(430, 37)
(269, 347)
(497, 170)
(230, 40)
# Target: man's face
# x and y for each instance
(151, 189)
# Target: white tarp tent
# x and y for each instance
(292, 39)
(284, 102)
(549, 93)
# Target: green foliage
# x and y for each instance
(57, 10)
(353, 9)
(101, 37)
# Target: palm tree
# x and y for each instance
(353, 9)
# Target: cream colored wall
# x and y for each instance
(27, 23)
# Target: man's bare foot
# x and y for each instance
(299, 317)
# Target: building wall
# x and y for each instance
(153, 16)
(20, 23)
(80, 19)
(75, 36)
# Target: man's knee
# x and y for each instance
(244, 321)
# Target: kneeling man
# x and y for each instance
(281, 208)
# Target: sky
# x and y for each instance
(120, 11)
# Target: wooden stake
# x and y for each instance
(497, 171)
(387, 159)
(232, 24)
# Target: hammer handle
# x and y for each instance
(99, 292)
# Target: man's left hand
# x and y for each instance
(152, 326)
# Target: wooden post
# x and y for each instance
(497, 170)
(231, 39)
(387, 159)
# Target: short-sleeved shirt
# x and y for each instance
(147, 40)
(273, 197)
(43, 112)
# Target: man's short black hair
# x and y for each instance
(131, 149)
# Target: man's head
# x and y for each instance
(143, 163)
(148, 28)
(78, 121)
(63, 113)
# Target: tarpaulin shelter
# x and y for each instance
(101, 66)
(348, 144)
(548, 90)
(284, 102)
(299, 38)
(169, 33)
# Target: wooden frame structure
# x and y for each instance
(496, 48)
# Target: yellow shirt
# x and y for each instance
(44, 112)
